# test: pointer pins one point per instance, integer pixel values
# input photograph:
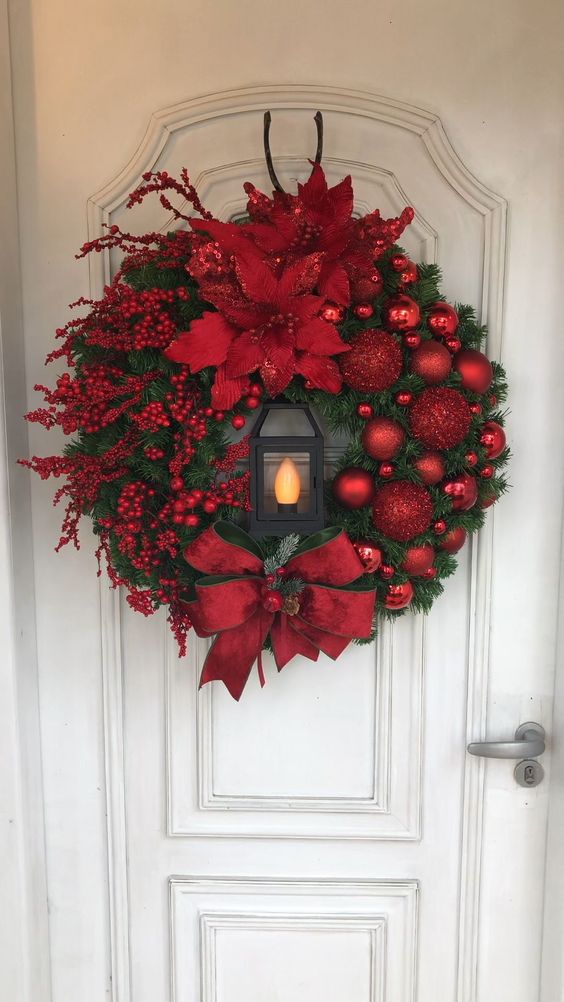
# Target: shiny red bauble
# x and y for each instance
(409, 274)
(404, 398)
(365, 411)
(487, 471)
(332, 313)
(471, 458)
(370, 555)
(272, 601)
(430, 467)
(453, 344)
(382, 438)
(385, 470)
(401, 313)
(418, 559)
(475, 369)
(462, 490)
(442, 320)
(492, 437)
(399, 262)
(440, 418)
(412, 340)
(238, 421)
(373, 363)
(402, 510)
(387, 572)
(252, 402)
(367, 287)
(432, 362)
(399, 595)
(439, 527)
(453, 540)
(353, 487)
(363, 311)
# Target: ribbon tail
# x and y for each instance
(234, 652)
(287, 644)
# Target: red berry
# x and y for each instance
(439, 527)
(176, 484)
(252, 403)
(364, 411)
(238, 421)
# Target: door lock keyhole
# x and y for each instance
(529, 773)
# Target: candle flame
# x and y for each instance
(287, 482)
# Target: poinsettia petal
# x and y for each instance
(225, 392)
(228, 235)
(315, 188)
(268, 238)
(299, 277)
(278, 344)
(341, 197)
(244, 356)
(323, 373)
(255, 276)
(206, 343)
(320, 338)
(276, 379)
(334, 283)
(306, 307)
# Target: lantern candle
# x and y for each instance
(287, 487)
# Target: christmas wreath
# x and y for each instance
(200, 329)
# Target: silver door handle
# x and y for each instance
(529, 743)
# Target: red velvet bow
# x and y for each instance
(231, 602)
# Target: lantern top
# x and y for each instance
(285, 405)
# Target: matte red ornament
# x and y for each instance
(462, 490)
(382, 438)
(430, 467)
(353, 487)
(368, 287)
(401, 313)
(399, 595)
(471, 458)
(453, 540)
(432, 362)
(399, 262)
(386, 470)
(418, 559)
(402, 510)
(440, 417)
(475, 369)
(487, 471)
(373, 363)
(387, 571)
(493, 439)
(442, 320)
(238, 421)
(409, 274)
(365, 411)
(439, 527)
(370, 555)
(332, 313)
(363, 311)
(404, 398)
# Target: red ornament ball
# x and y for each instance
(252, 402)
(471, 458)
(493, 439)
(412, 340)
(431, 573)
(488, 501)
(487, 471)
(367, 287)
(439, 527)
(404, 398)
(432, 362)
(272, 601)
(442, 320)
(402, 510)
(475, 369)
(256, 390)
(370, 555)
(365, 411)
(363, 311)
(418, 559)
(399, 595)
(409, 274)
(440, 417)
(332, 313)
(386, 470)
(387, 571)
(399, 262)
(430, 467)
(462, 490)
(401, 313)
(353, 487)
(476, 408)
(382, 438)
(238, 421)
(453, 344)
(453, 540)
(373, 363)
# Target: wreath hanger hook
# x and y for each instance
(318, 119)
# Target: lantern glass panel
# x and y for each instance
(287, 481)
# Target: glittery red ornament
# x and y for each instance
(439, 527)
(475, 369)
(365, 411)
(353, 487)
(369, 553)
(492, 438)
(453, 540)
(430, 467)
(363, 311)
(238, 421)
(399, 262)
(404, 398)
(387, 571)
(487, 471)
(432, 362)
(418, 559)
(399, 595)
(386, 470)
(332, 313)
(368, 287)
(409, 274)
(382, 438)
(402, 510)
(401, 313)
(462, 490)
(373, 363)
(440, 417)
(442, 320)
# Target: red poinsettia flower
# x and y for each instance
(265, 322)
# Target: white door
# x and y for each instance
(328, 837)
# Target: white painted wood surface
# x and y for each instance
(195, 847)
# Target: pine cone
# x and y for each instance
(291, 605)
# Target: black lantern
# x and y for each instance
(286, 463)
